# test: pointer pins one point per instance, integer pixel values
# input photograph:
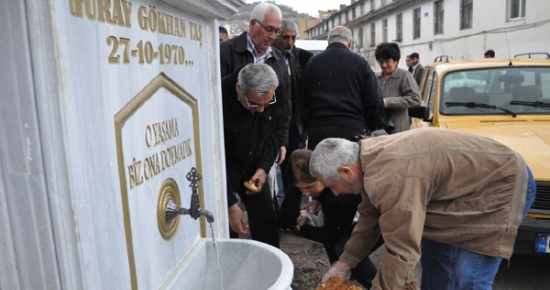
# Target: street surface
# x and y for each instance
(310, 263)
(525, 272)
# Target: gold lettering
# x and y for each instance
(188, 143)
(127, 7)
(152, 166)
(131, 177)
(182, 28)
(134, 174)
(152, 15)
(177, 27)
(176, 130)
(162, 28)
(148, 136)
(164, 160)
(195, 31)
(161, 132)
(117, 13)
(169, 24)
(138, 171)
(75, 6)
(91, 9)
(104, 12)
(142, 21)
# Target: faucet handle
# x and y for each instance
(194, 176)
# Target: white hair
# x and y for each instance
(259, 12)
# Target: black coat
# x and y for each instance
(339, 88)
(252, 140)
(296, 127)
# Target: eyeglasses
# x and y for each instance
(270, 29)
(254, 105)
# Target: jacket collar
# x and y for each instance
(241, 46)
(337, 45)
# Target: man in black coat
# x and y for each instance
(339, 92)
(253, 138)
(290, 208)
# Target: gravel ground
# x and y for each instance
(311, 262)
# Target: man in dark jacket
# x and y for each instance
(253, 140)
(339, 92)
(290, 209)
(417, 68)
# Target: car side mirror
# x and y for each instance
(422, 112)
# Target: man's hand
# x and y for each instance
(338, 270)
(258, 179)
(237, 221)
(282, 155)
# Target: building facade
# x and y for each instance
(460, 29)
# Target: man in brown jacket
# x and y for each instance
(456, 198)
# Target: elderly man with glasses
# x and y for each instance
(256, 119)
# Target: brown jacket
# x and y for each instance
(451, 187)
(401, 92)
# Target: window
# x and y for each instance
(372, 35)
(416, 23)
(353, 15)
(438, 17)
(371, 5)
(385, 30)
(382, 2)
(466, 8)
(362, 8)
(399, 27)
(517, 9)
(360, 37)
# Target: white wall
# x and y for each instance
(488, 32)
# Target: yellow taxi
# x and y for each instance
(508, 100)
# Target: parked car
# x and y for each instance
(507, 100)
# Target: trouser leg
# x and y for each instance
(475, 271)
(261, 216)
(437, 265)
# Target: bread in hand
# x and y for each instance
(337, 284)
(250, 186)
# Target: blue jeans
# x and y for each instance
(454, 268)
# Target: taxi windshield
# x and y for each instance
(496, 91)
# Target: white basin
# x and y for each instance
(245, 264)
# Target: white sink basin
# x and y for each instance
(245, 264)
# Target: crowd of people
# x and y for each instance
(340, 133)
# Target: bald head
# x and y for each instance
(340, 34)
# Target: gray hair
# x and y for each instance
(340, 34)
(330, 154)
(259, 12)
(289, 25)
(258, 77)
